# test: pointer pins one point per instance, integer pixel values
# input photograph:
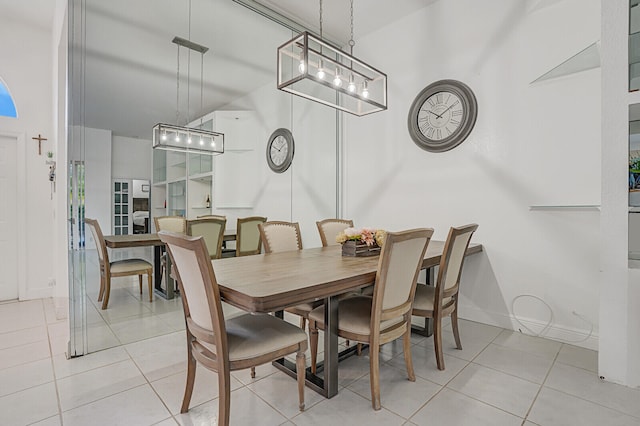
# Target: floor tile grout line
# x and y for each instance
(535, 398)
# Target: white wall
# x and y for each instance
(532, 145)
(26, 67)
(130, 158)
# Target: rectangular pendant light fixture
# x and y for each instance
(187, 139)
(314, 69)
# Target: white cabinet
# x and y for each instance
(182, 183)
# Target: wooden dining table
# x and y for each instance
(272, 282)
(146, 240)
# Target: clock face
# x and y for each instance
(442, 115)
(280, 149)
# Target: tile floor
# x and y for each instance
(500, 378)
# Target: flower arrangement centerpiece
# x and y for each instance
(361, 241)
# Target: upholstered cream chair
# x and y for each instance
(330, 228)
(387, 315)
(248, 241)
(211, 229)
(280, 236)
(442, 300)
(119, 268)
(223, 346)
(176, 224)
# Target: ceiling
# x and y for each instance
(131, 63)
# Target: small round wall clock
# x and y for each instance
(280, 149)
(442, 115)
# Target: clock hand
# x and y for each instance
(445, 111)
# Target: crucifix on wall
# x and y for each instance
(39, 139)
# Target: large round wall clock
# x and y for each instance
(280, 148)
(442, 115)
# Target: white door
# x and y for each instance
(8, 219)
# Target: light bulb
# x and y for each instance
(301, 66)
(201, 141)
(365, 90)
(320, 73)
(164, 135)
(177, 137)
(213, 144)
(352, 84)
(189, 140)
(337, 80)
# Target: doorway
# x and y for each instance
(8, 218)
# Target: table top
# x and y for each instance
(270, 282)
(142, 240)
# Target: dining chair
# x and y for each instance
(248, 240)
(441, 300)
(225, 345)
(211, 229)
(176, 224)
(330, 228)
(278, 236)
(387, 315)
(118, 268)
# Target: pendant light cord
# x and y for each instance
(189, 69)
(178, 88)
(351, 40)
(320, 19)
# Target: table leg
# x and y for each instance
(331, 346)
(157, 269)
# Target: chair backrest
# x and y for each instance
(248, 239)
(103, 255)
(205, 216)
(211, 229)
(280, 236)
(199, 291)
(451, 262)
(398, 268)
(330, 228)
(176, 224)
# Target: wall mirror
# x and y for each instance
(634, 186)
(634, 45)
(125, 78)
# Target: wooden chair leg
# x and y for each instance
(107, 293)
(191, 377)
(253, 372)
(303, 322)
(313, 343)
(374, 370)
(150, 284)
(437, 341)
(101, 291)
(456, 330)
(224, 402)
(359, 349)
(140, 282)
(301, 364)
(408, 360)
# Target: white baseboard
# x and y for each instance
(572, 336)
(38, 293)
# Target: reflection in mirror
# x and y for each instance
(634, 45)
(126, 83)
(634, 186)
